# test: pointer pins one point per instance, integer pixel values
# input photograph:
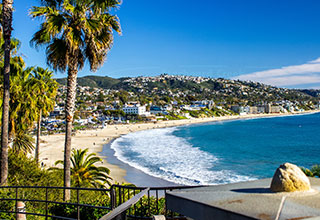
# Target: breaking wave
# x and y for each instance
(158, 152)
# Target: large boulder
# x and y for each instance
(289, 178)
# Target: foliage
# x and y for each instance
(22, 107)
(92, 198)
(24, 171)
(22, 142)
(44, 89)
(313, 172)
(114, 113)
(76, 31)
(150, 207)
(7, 205)
(219, 90)
(93, 81)
(84, 172)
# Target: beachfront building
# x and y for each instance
(253, 110)
(241, 110)
(261, 109)
(204, 103)
(273, 109)
(157, 110)
(194, 107)
(135, 109)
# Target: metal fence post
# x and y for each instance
(46, 203)
(78, 208)
(112, 197)
(16, 208)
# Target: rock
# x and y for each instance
(289, 178)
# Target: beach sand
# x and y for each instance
(52, 146)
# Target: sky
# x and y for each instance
(269, 41)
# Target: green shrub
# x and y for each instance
(24, 171)
(7, 205)
(88, 197)
(313, 172)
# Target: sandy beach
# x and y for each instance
(52, 146)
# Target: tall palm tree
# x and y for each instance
(6, 30)
(84, 172)
(75, 31)
(22, 107)
(21, 103)
(44, 89)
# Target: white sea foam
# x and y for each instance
(161, 154)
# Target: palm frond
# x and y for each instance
(76, 30)
(84, 172)
(22, 142)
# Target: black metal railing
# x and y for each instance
(152, 204)
(43, 198)
(44, 201)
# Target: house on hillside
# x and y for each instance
(135, 109)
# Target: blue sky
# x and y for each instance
(218, 38)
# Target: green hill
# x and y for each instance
(94, 81)
(221, 87)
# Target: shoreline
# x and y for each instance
(98, 141)
(134, 175)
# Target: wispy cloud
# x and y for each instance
(308, 73)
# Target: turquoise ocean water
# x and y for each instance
(223, 152)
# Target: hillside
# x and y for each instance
(103, 82)
(199, 87)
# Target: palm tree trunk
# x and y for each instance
(7, 28)
(69, 110)
(37, 153)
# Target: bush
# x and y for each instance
(7, 205)
(24, 171)
(313, 172)
(90, 198)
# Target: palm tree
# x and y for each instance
(7, 28)
(44, 90)
(75, 31)
(84, 173)
(22, 107)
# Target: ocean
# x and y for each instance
(222, 152)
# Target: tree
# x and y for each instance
(75, 31)
(7, 29)
(22, 108)
(44, 90)
(84, 173)
(21, 103)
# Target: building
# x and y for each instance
(241, 110)
(276, 109)
(157, 110)
(272, 109)
(135, 109)
(253, 110)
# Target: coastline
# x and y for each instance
(98, 141)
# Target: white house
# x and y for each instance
(135, 109)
